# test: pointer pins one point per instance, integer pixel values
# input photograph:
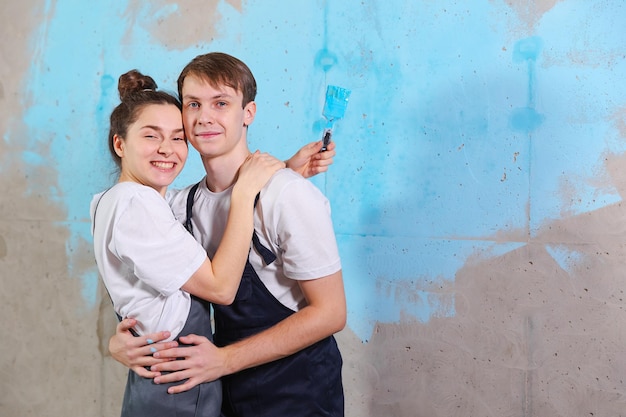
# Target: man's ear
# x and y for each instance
(249, 111)
(118, 145)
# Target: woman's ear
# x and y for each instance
(118, 145)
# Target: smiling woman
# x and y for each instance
(154, 150)
(153, 269)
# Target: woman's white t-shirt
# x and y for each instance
(144, 256)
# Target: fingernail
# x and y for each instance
(150, 341)
(153, 350)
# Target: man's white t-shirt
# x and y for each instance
(144, 256)
(292, 219)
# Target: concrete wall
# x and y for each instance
(477, 195)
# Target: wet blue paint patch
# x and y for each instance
(390, 278)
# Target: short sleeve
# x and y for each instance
(148, 238)
(305, 232)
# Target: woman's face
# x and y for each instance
(154, 150)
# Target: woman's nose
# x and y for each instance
(165, 148)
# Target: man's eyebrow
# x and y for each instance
(216, 96)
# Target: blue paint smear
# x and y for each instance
(527, 119)
(33, 158)
(527, 49)
(395, 277)
(325, 60)
(564, 256)
(455, 133)
(72, 105)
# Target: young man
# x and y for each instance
(275, 351)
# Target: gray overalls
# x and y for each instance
(145, 398)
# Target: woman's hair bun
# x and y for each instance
(134, 82)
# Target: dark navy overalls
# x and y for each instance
(307, 383)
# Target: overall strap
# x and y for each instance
(267, 255)
(190, 197)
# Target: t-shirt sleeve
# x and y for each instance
(305, 232)
(148, 238)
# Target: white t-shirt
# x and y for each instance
(144, 255)
(292, 219)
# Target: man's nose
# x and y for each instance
(205, 116)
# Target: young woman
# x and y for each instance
(153, 269)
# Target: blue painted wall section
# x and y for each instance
(458, 140)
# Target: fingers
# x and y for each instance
(190, 383)
(256, 171)
(171, 353)
(180, 352)
(193, 339)
(125, 325)
(197, 362)
(150, 343)
(145, 373)
(153, 338)
(322, 160)
(176, 367)
(147, 362)
(175, 375)
(134, 352)
(148, 351)
(182, 370)
(262, 159)
(310, 149)
(268, 159)
(329, 152)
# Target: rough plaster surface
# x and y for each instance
(52, 361)
(529, 337)
(198, 19)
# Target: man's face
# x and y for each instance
(213, 117)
